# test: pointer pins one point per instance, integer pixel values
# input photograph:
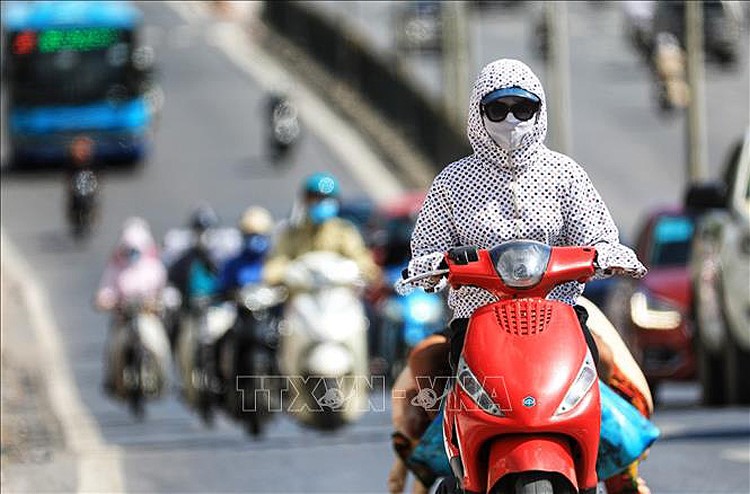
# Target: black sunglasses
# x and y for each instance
(496, 110)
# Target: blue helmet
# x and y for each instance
(321, 184)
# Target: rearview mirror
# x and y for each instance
(704, 196)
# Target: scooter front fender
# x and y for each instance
(527, 453)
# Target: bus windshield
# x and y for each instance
(72, 66)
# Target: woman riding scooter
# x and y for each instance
(134, 274)
(514, 187)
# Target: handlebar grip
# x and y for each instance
(463, 255)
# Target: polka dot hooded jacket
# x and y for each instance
(495, 195)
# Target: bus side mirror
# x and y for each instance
(700, 197)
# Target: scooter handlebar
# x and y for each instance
(493, 269)
(406, 285)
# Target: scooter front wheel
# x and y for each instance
(253, 425)
(81, 225)
(533, 483)
(137, 407)
(533, 486)
(446, 485)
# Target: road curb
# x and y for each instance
(99, 468)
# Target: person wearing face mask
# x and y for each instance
(246, 267)
(513, 187)
(195, 272)
(134, 272)
(318, 228)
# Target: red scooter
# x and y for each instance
(523, 415)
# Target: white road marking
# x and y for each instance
(99, 467)
(365, 165)
(738, 455)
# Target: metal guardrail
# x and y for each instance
(380, 82)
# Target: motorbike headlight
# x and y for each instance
(521, 264)
(647, 311)
(262, 297)
(582, 383)
(424, 309)
(469, 383)
(171, 297)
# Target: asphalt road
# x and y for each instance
(210, 147)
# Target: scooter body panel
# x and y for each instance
(320, 325)
(526, 353)
(523, 453)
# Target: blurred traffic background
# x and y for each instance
(188, 114)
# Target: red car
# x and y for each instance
(654, 313)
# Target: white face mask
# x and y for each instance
(508, 133)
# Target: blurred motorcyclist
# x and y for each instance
(82, 186)
(195, 272)
(202, 320)
(284, 127)
(249, 347)
(255, 225)
(317, 227)
(669, 63)
(133, 272)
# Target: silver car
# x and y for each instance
(720, 270)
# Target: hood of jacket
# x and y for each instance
(136, 234)
(500, 74)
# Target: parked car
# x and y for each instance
(720, 271)
(654, 313)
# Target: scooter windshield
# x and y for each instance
(521, 263)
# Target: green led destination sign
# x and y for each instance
(83, 39)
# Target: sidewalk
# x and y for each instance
(32, 454)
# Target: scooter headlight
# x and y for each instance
(469, 383)
(649, 312)
(521, 264)
(257, 297)
(582, 383)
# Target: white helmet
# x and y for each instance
(256, 220)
